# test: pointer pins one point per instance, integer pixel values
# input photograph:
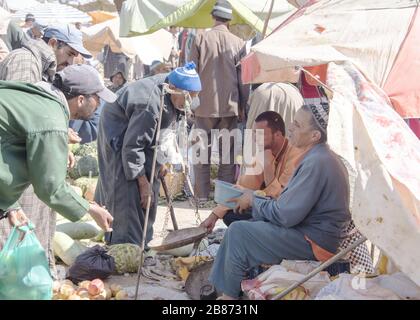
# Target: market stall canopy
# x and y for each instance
(102, 16)
(90, 5)
(384, 157)
(143, 16)
(4, 21)
(148, 48)
(15, 5)
(380, 37)
(52, 13)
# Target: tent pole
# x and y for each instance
(267, 19)
(324, 265)
(316, 79)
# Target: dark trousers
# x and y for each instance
(226, 172)
(232, 216)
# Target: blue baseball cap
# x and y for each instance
(70, 36)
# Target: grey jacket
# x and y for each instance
(315, 202)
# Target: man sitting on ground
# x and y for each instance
(308, 220)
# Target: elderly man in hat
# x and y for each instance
(126, 142)
(307, 222)
(33, 140)
(217, 53)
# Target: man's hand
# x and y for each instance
(217, 213)
(73, 136)
(145, 191)
(210, 222)
(243, 203)
(71, 161)
(17, 218)
(101, 216)
(163, 171)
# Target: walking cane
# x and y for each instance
(149, 198)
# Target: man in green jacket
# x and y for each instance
(33, 141)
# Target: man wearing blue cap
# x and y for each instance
(126, 140)
(38, 60)
(67, 43)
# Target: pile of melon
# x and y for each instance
(88, 290)
(83, 175)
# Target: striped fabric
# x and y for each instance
(53, 13)
(41, 216)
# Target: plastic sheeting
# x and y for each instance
(145, 16)
(15, 5)
(366, 131)
(148, 48)
(53, 13)
(4, 21)
(379, 37)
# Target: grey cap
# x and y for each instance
(82, 79)
(222, 9)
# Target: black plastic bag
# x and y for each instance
(94, 263)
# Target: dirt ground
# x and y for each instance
(168, 290)
(163, 290)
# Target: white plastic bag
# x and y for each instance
(353, 287)
(276, 279)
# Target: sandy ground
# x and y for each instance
(150, 290)
(171, 290)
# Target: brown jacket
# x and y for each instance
(217, 53)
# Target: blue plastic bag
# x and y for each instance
(24, 270)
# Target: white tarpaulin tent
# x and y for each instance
(4, 21)
(148, 48)
(366, 131)
(53, 13)
(380, 37)
(15, 5)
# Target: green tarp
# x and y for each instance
(147, 16)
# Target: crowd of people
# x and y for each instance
(49, 97)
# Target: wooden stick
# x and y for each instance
(149, 198)
(327, 263)
(267, 19)
(169, 201)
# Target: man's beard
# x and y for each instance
(86, 112)
(62, 66)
